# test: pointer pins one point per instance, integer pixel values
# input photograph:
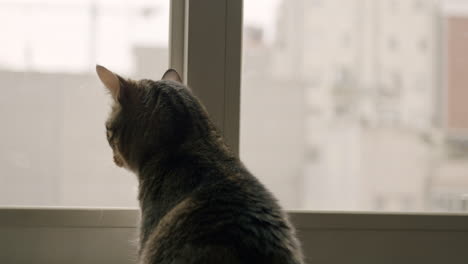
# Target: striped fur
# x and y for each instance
(199, 204)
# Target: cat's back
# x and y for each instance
(235, 220)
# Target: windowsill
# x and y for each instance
(108, 235)
(128, 218)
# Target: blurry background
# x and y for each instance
(359, 104)
(345, 105)
(53, 149)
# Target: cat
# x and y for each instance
(199, 204)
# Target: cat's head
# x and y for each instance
(150, 118)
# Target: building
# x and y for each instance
(370, 71)
(54, 150)
(272, 130)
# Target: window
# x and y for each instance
(392, 44)
(53, 145)
(394, 6)
(327, 105)
(419, 5)
(423, 45)
(373, 146)
(422, 238)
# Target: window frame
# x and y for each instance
(199, 38)
(192, 47)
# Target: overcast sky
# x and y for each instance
(55, 35)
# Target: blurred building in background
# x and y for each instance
(272, 121)
(371, 74)
(353, 105)
(53, 149)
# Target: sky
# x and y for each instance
(57, 35)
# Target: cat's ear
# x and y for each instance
(172, 75)
(110, 80)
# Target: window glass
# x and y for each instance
(340, 109)
(53, 148)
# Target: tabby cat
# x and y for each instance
(199, 204)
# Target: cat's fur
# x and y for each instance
(199, 204)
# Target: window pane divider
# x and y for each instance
(206, 47)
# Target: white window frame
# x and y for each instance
(205, 45)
